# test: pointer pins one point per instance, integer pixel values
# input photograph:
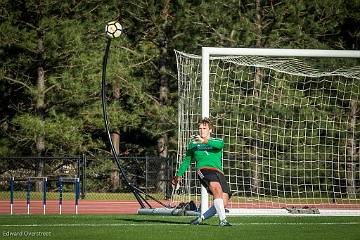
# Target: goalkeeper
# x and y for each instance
(207, 154)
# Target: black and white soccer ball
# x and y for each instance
(113, 29)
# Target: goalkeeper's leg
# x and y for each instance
(208, 214)
(220, 202)
(215, 183)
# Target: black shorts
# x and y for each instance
(207, 175)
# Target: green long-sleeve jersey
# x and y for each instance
(207, 155)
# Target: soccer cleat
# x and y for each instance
(196, 221)
(224, 223)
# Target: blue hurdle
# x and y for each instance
(45, 179)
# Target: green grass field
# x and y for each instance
(173, 228)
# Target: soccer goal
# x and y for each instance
(290, 120)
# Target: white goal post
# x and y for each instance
(279, 112)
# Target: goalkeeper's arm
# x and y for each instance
(184, 165)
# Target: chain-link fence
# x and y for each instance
(99, 177)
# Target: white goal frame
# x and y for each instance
(208, 52)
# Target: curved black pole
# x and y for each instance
(137, 192)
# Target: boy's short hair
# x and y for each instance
(206, 121)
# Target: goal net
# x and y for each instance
(290, 122)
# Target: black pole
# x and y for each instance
(136, 191)
(107, 128)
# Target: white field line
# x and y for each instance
(161, 224)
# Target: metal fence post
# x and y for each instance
(146, 173)
(83, 176)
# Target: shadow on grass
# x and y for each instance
(157, 221)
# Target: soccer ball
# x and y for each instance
(113, 29)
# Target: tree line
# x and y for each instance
(51, 55)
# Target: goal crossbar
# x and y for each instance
(277, 52)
